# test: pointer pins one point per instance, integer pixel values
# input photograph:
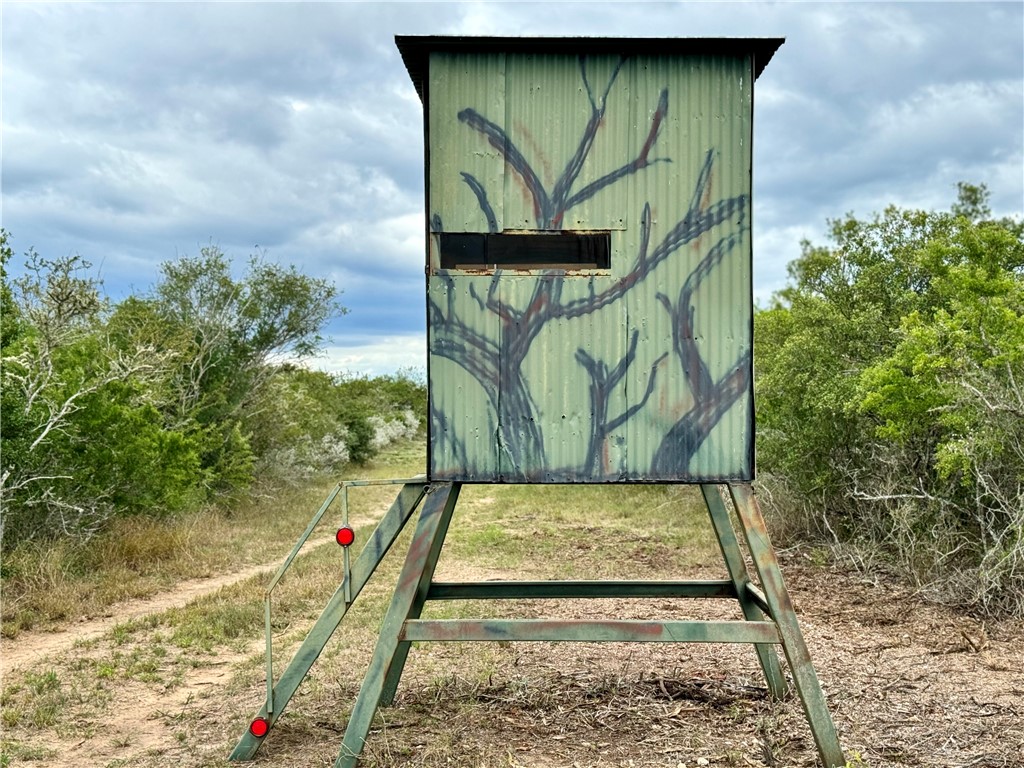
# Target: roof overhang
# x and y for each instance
(416, 49)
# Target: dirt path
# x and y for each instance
(30, 647)
(146, 717)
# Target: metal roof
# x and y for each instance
(416, 49)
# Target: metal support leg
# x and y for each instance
(411, 590)
(397, 666)
(781, 608)
(377, 546)
(740, 579)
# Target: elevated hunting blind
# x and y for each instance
(589, 262)
(590, 320)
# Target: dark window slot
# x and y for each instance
(562, 250)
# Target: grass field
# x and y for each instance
(519, 531)
(177, 687)
(58, 582)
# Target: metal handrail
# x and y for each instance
(341, 488)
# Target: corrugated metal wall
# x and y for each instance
(638, 373)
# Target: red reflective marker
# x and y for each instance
(345, 536)
(259, 727)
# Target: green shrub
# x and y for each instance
(889, 396)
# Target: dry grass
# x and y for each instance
(909, 684)
(47, 584)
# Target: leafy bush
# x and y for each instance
(376, 411)
(165, 400)
(387, 431)
(140, 408)
(890, 399)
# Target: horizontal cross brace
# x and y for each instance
(491, 590)
(548, 630)
(758, 597)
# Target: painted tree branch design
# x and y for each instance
(549, 208)
(603, 381)
(443, 431)
(496, 362)
(711, 399)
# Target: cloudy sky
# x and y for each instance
(136, 132)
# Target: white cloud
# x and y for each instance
(375, 355)
(133, 132)
(774, 247)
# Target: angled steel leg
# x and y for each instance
(380, 541)
(740, 579)
(781, 608)
(397, 666)
(411, 590)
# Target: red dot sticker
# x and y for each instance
(345, 536)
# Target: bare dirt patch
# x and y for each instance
(908, 684)
(929, 688)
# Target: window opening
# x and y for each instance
(555, 250)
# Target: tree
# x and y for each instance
(888, 393)
(146, 407)
(951, 396)
(231, 330)
(226, 336)
(80, 436)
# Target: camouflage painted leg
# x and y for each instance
(413, 584)
(781, 609)
(380, 541)
(737, 569)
